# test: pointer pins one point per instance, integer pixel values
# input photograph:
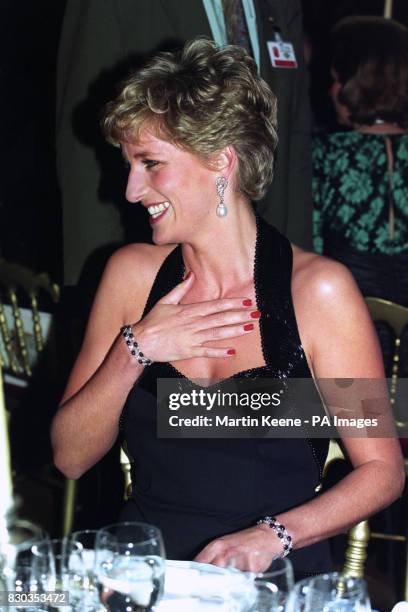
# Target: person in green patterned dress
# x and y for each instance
(360, 174)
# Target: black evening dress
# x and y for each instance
(195, 490)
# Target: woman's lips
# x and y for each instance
(154, 220)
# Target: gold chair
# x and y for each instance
(396, 317)
(126, 465)
(17, 280)
(24, 332)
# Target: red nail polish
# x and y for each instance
(248, 327)
(247, 302)
(255, 314)
(231, 352)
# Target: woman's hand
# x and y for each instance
(173, 331)
(251, 549)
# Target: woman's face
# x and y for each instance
(341, 110)
(176, 188)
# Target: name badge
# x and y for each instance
(282, 54)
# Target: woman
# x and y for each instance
(198, 130)
(360, 188)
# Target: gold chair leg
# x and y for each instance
(69, 506)
(356, 552)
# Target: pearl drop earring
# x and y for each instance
(221, 184)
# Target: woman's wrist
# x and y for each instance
(280, 533)
(133, 345)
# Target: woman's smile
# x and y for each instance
(157, 211)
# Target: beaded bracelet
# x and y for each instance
(280, 531)
(133, 346)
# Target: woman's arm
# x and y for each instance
(343, 344)
(86, 424)
(340, 342)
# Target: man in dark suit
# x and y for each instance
(100, 40)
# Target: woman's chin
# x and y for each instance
(162, 238)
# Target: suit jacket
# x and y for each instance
(100, 40)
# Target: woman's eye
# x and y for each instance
(150, 163)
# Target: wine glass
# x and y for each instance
(16, 547)
(224, 588)
(81, 560)
(23, 583)
(274, 585)
(50, 564)
(332, 592)
(129, 566)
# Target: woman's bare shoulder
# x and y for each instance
(128, 277)
(320, 277)
(334, 323)
(139, 259)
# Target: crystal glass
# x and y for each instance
(81, 559)
(332, 592)
(19, 538)
(273, 586)
(272, 581)
(51, 567)
(129, 566)
(226, 589)
(23, 582)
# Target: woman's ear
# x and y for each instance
(224, 161)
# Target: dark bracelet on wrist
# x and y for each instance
(280, 530)
(133, 346)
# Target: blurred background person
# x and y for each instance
(360, 187)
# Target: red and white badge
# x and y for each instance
(282, 54)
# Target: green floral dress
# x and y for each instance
(353, 192)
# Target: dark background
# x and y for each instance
(30, 207)
(31, 223)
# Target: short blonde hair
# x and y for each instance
(202, 99)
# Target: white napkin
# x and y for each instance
(190, 604)
(199, 586)
(402, 606)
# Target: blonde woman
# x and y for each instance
(220, 295)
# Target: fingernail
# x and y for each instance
(255, 314)
(231, 352)
(247, 302)
(248, 327)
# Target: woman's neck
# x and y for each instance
(224, 261)
(380, 128)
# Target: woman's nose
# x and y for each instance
(136, 186)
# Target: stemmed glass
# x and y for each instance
(51, 568)
(273, 586)
(80, 553)
(332, 592)
(129, 566)
(23, 584)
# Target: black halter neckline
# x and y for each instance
(280, 343)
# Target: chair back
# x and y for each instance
(396, 317)
(17, 281)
